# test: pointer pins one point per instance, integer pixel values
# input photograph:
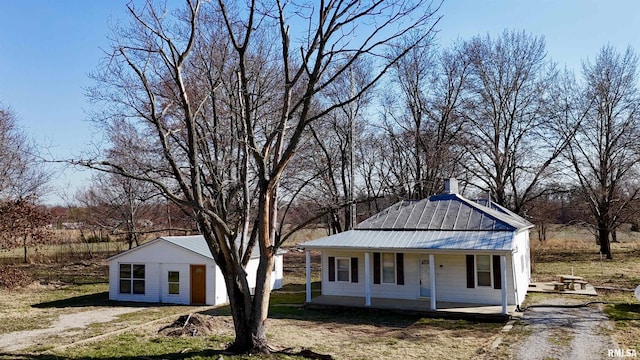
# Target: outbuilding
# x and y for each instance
(436, 254)
(176, 270)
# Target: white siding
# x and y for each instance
(411, 288)
(342, 288)
(160, 257)
(451, 280)
(276, 279)
(220, 288)
(522, 265)
(184, 292)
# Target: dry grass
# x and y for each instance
(572, 250)
(303, 235)
(344, 335)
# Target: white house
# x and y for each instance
(444, 251)
(177, 270)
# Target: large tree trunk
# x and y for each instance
(603, 236)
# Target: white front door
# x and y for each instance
(425, 282)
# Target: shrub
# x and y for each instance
(12, 277)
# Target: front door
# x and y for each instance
(198, 284)
(425, 288)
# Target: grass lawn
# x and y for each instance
(355, 334)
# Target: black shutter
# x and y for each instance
(354, 269)
(497, 274)
(471, 282)
(376, 268)
(332, 268)
(400, 270)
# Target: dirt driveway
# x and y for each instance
(559, 332)
(65, 325)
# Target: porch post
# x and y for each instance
(307, 263)
(367, 280)
(503, 277)
(432, 281)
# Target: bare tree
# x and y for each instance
(120, 206)
(22, 174)
(422, 121)
(604, 152)
(218, 97)
(333, 154)
(23, 180)
(511, 148)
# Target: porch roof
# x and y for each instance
(438, 240)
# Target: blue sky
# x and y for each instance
(48, 47)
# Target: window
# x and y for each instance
(343, 269)
(388, 268)
(131, 279)
(483, 270)
(174, 282)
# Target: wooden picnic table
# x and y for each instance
(570, 281)
(564, 278)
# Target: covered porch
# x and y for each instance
(420, 307)
(427, 302)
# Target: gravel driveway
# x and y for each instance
(565, 333)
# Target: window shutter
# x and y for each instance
(470, 272)
(497, 274)
(354, 269)
(400, 268)
(376, 268)
(332, 268)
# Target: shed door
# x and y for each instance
(425, 280)
(198, 284)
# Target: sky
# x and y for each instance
(48, 48)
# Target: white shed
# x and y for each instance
(176, 270)
(434, 254)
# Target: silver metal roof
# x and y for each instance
(442, 222)
(198, 244)
(194, 243)
(445, 240)
(443, 212)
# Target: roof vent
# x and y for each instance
(451, 186)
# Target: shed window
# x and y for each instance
(174, 282)
(483, 270)
(132, 278)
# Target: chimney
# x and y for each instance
(451, 186)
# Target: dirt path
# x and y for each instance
(66, 325)
(565, 333)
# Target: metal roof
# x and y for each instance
(443, 212)
(416, 240)
(194, 243)
(442, 222)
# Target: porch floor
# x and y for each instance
(443, 308)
